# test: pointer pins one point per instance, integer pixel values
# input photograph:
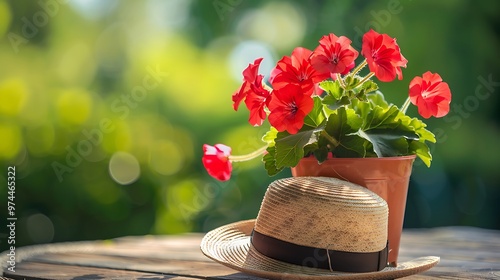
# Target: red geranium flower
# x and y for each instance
(431, 95)
(296, 69)
(255, 95)
(383, 56)
(250, 77)
(334, 55)
(216, 161)
(289, 106)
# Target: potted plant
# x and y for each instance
(327, 119)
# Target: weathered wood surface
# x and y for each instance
(466, 253)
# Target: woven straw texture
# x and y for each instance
(324, 213)
(230, 246)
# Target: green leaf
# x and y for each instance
(270, 136)
(310, 148)
(332, 88)
(351, 146)
(270, 162)
(316, 116)
(388, 143)
(321, 154)
(377, 98)
(290, 147)
(420, 147)
(340, 131)
(362, 108)
(385, 130)
(422, 151)
(424, 134)
(381, 117)
(333, 104)
(323, 145)
(342, 122)
(370, 86)
(351, 82)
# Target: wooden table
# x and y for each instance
(466, 253)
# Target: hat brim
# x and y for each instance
(230, 245)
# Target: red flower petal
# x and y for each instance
(334, 55)
(383, 56)
(250, 75)
(289, 106)
(256, 102)
(296, 69)
(253, 92)
(431, 95)
(240, 95)
(216, 161)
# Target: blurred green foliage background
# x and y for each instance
(104, 107)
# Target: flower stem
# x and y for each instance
(330, 139)
(252, 155)
(405, 105)
(341, 82)
(359, 67)
(366, 78)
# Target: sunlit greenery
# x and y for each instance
(104, 107)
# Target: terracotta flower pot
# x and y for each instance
(388, 177)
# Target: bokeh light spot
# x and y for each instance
(10, 143)
(40, 228)
(182, 202)
(5, 18)
(168, 14)
(267, 25)
(124, 168)
(120, 138)
(13, 95)
(168, 223)
(93, 9)
(245, 53)
(74, 106)
(104, 193)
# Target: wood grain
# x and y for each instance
(466, 253)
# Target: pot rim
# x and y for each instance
(396, 158)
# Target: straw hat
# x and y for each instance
(312, 228)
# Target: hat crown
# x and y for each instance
(323, 212)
